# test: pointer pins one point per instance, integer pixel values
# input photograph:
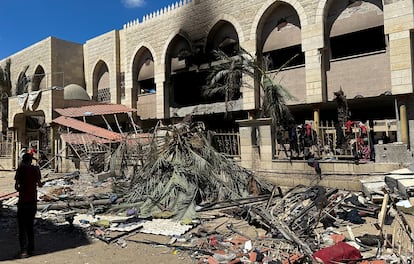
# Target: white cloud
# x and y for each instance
(133, 3)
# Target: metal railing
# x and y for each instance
(355, 140)
(227, 142)
(6, 145)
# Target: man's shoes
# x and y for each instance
(23, 255)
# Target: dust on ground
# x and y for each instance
(62, 244)
(55, 244)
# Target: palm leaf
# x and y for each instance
(187, 167)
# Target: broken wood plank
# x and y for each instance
(383, 212)
(232, 203)
(283, 229)
(72, 204)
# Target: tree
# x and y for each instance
(226, 78)
(23, 81)
(5, 80)
(5, 93)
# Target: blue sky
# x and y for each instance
(25, 22)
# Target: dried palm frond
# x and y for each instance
(226, 79)
(186, 171)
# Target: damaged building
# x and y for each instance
(67, 97)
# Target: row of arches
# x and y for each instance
(351, 28)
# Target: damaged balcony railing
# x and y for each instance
(227, 142)
(353, 141)
(6, 145)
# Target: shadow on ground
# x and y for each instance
(49, 237)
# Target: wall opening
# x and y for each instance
(223, 36)
(357, 43)
(101, 83)
(39, 80)
(275, 59)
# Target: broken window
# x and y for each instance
(188, 89)
(355, 28)
(356, 43)
(275, 59)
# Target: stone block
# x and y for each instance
(393, 153)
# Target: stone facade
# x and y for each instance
(200, 24)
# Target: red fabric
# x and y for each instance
(348, 125)
(308, 129)
(363, 129)
(337, 253)
(27, 176)
(32, 151)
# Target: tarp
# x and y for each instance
(87, 128)
(82, 139)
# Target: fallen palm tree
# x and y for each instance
(185, 171)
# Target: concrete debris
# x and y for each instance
(166, 227)
(304, 224)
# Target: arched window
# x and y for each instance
(143, 73)
(223, 36)
(102, 91)
(39, 80)
(281, 37)
(355, 28)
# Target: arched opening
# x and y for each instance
(221, 48)
(143, 84)
(101, 89)
(279, 45)
(358, 55)
(143, 73)
(223, 36)
(32, 132)
(22, 85)
(280, 38)
(355, 28)
(185, 80)
(39, 79)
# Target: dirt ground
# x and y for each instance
(60, 245)
(57, 244)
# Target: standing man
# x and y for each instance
(27, 179)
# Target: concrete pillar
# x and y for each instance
(251, 97)
(162, 95)
(404, 124)
(15, 147)
(313, 45)
(266, 147)
(52, 148)
(246, 147)
(316, 120)
(398, 25)
(400, 62)
(129, 97)
(314, 76)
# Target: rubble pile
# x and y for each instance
(297, 225)
(218, 212)
(184, 170)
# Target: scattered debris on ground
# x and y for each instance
(218, 212)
